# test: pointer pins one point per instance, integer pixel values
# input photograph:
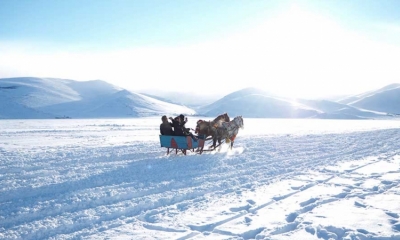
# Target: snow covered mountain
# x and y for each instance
(334, 110)
(11, 109)
(187, 98)
(57, 98)
(354, 98)
(252, 102)
(60, 98)
(386, 99)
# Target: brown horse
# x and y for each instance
(209, 128)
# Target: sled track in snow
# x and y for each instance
(307, 206)
(128, 184)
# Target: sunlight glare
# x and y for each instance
(295, 54)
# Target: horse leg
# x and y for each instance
(214, 138)
(219, 144)
(232, 140)
(214, 142)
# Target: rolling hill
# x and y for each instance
(29, 97)
(252, 102)
(54, 98)
(385, 100)
(255, 103)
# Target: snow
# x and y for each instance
(44, 98)
(283, 179)
(41, 98)
(385, 99)
(252, 102)
(355, 98)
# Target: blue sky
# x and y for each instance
(286, 47)
(113, 24)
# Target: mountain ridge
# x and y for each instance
(30, 97)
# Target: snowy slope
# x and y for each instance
(252, 102)
(129, 104)
(109, 179)
(334, 110)
(385, 99)
(41, 92)
(350, 99)
(51, 97)
(188, 96)
(13, 110)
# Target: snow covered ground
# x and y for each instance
(284, 179)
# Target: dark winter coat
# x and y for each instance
(166, 128)
(179, 128)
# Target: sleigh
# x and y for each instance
(182, 144)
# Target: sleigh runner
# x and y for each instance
(181, 143)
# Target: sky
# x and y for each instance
(306, 49)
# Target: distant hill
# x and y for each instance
(354, 98)
(186, 97)
(31, 97)
(10, 110)
(330, 109)
(252, 102)
(384, 100)
(57, 98)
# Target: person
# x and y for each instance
(179, 127)
(183, 122)
(166, 127)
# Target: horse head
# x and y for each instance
(198, 124)
(217, 122)
(226, 117)
(239, 121)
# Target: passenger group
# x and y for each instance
(176, 127)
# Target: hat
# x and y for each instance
(181, 116)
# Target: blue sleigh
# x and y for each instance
(181, 143)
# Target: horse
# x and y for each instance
(208, 128)
(228, 131)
